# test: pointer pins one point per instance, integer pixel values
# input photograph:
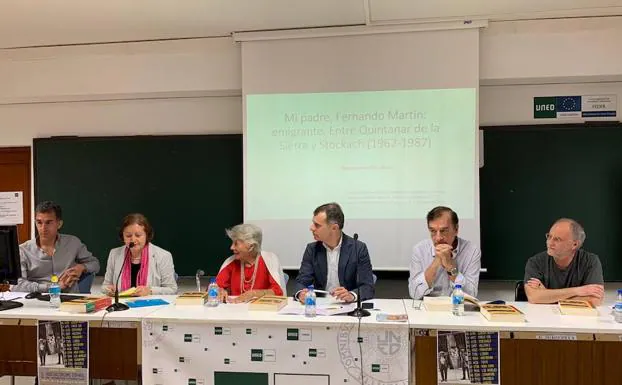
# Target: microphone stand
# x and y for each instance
(199, 274)
(359, 312)
(118, 306)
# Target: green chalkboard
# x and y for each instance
(189, 187)
(534, 175)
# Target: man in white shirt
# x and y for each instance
(334, 262)
(444, 260)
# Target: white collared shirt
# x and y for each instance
(332, 265)
(332, 269)
(468, 262)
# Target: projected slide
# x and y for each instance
(381, 155)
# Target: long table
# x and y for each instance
(114, 339)
(548, 349)
(230, 344)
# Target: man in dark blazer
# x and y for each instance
(335, 261)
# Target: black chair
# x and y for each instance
(519, 292)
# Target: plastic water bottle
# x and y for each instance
(617, 311)
(212, 293)
(457, 301)
(54, 292)
(310, 303)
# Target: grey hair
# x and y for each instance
(247, 233)
(578, 234)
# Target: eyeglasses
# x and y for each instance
(549, 237)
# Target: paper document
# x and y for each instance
(11, 208)
(11, 295)
(328, 301)
(334, 309)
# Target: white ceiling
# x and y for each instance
(27, 23)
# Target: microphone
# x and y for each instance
(117, 306)
(200, 273)
(359, 312)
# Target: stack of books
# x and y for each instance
(192, 298)
(86, 304)
(577, 307)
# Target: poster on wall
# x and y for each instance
(11, 208)
(582, 107)
(467, 357)
(62, 351)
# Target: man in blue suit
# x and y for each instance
(334, 262)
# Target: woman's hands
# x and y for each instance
(142, 291)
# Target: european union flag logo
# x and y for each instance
(568, 103)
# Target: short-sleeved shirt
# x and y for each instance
(584, 269)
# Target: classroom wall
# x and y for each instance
(551, 51)
(20, 123)
(193, 86)
(125, 70)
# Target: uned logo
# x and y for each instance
(292, 334)
(390, 344)
(256, 355)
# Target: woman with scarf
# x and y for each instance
(250, 272)
(148, 268)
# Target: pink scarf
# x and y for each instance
(126, 275)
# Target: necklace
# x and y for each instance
(243, 279)
(135, 259)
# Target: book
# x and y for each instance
(321, 310)
(386, 317)
(443, 303)
(577, 307)
(268, 303)
(501, 313)
(192, 298)
(86, 304)
(146, 302)
(128, 293)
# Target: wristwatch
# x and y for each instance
(453, 272)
